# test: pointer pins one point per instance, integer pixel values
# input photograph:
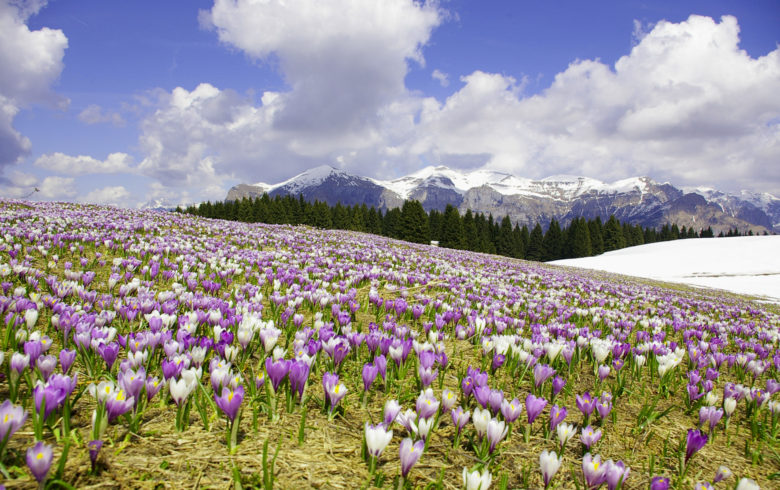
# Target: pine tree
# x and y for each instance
(613, 235)
(504, 241)
(470, 239)
(579, 238)
(414, 222)
(452, 229)
(596, 236)
(535, 244)
(553, 242)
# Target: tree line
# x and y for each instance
(471, 231)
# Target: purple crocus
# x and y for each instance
(118, 404)
(67, 357)
(410, 453)
(495, 399)
(542, 372)
(230, 401)
(696, 441)
(496, 432)
(616, 474)
(593, 470)
(604, 405)
(369, 375)
(586, 403)
(557, 415)
(109, 353)
(603, 372)
(427, 405)
(460, 418)
(334, 391)
(277, 371)
(511, 410)
(659, 483)
(558, 383)
(391, 411)
(12, 417)
(533, 407)
(298, 375)
(39, 458)
(589, 436)
(94, 449)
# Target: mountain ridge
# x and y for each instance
(636, 200)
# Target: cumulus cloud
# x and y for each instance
(56, 188)
(342, 59)
(685, 100)
(94, 114)
(441, 77)
(113, 195)
(31, 61)
(82, 164)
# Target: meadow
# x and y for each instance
(161, 350)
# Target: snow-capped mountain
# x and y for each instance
(638, 200)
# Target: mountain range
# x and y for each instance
(637, 200)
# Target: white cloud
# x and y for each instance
(114, 195)
(31, 61)
(94, 114)
(441, 77)
(685, 101)
(56, 188)
(82, 164)
(343, 59)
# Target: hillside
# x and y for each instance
(250, 355)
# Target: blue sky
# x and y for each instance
(128, 102)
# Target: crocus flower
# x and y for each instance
(696, 440)
(94, 449)
(542, 372)
(276, 371)
(46, 365)
(495, 398)
(377, 439)
(533, 407)
(703, 485)
(369, 375)
(511, 410)
(616, 474)
(67, 357)
(12, 417)
(557, 415)
(747, 484)
(496, 432)
(603, 372)
(230, 401)
(586, 403)
(558, 383)
(460, 418)
(604, 405)
(180, 390)
(594, 471)
(659, 483)
(723, 473)
(410, 453)
(39, 458)
(334, 391)
(475, 480)
(549, 463)
(424, 426)
(298, 375)
(153, 386)
(392, 409)
(589, 436)
(565, 433)
(448, 400)
(427, 405)
(118, 404)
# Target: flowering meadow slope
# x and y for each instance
(144, 349)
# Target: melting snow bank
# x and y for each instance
(744, 265)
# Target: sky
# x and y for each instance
(126, 103)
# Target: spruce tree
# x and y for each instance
(414, 222)
(504, 246)
(579, 238)
(613, 235)
(452, 229)
(470, 240)
(553, 242)
(535, 244)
